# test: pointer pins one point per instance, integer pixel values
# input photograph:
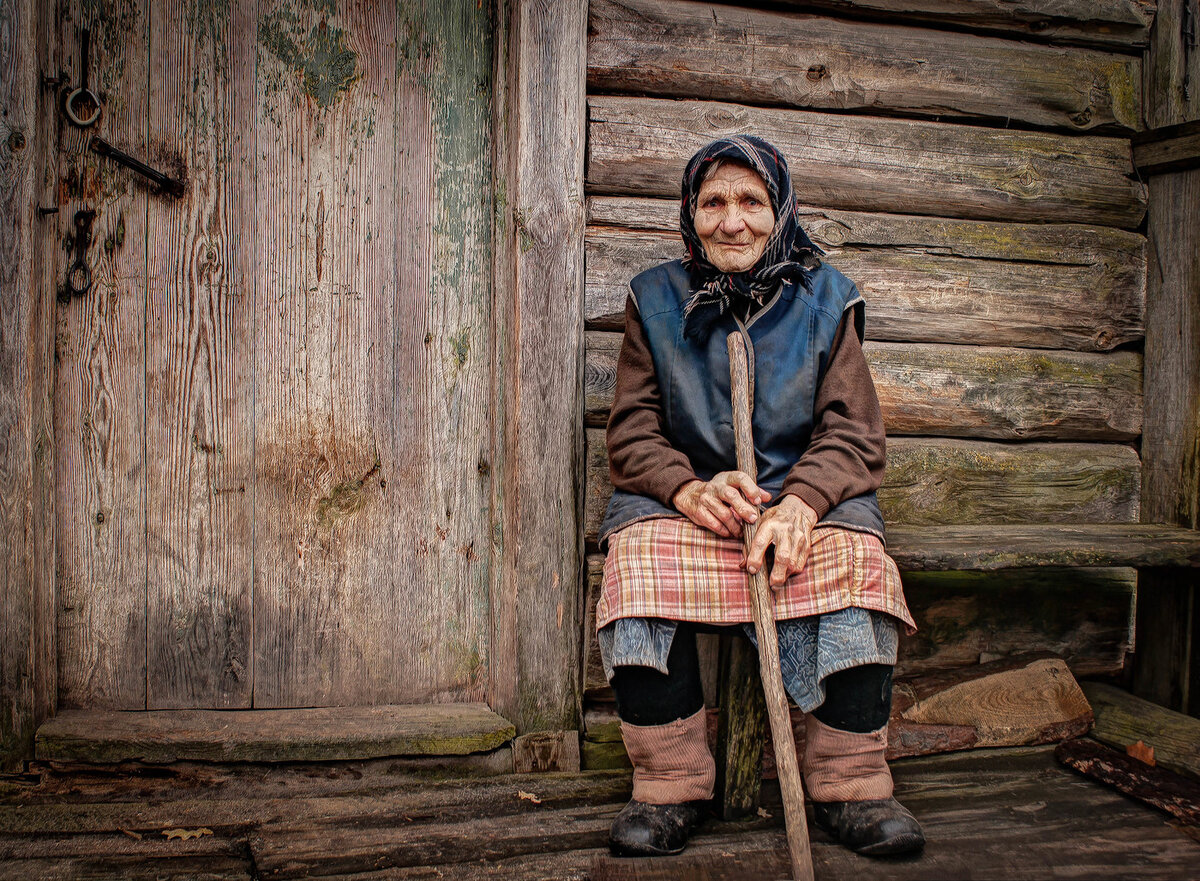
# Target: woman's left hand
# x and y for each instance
(788, 526)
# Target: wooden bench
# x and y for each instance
(742, 723)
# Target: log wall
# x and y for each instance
(969, 166)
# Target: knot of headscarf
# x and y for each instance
(789, 254)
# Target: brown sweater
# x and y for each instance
(845, 456)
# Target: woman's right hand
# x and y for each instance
(722, 504)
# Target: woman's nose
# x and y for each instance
(732, 222)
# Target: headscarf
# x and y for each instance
(789, 254)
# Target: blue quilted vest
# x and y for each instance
(788, 342)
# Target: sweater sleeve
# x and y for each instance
(846, 455)
(640, 458)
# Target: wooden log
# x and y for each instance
(1160, 789)
(952, 482)
(770, 673)
(28, 263)
(540, 751)
(741, 728)
(1123, 718)
(639, 146)
(1175, 148)
(697, 50)
(1172, 66)
(1018, 546)
(538, 346)
(272, 735)
(963, 391)
(100, 391)
(924, 291)
(199, 431)
(1008, 703)
(1122, 24)
(1167, 666)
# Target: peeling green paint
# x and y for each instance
(328, 67)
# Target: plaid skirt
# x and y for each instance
(670, 568)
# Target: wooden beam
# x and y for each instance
(1172, 66)
(1121, 24)
(964, 391)
(27, 647)
(272, 735)
(1168, 792)
(1123, 719)
(1167, 664)
(538, 566)
(697, 50)
(1175, 148)
(639, 146)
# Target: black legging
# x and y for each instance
(858, 699)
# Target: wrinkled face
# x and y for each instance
(734, 217)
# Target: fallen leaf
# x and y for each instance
(528, 796)
(185, 834)
(764, 813)
(134, 835)
(1141, 752)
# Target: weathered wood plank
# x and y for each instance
(952, 482)
(26, 378)
(539, 352)
(741, 729)
(696, 50)
(1012, 546)
(1176, 148)
(1123, 24)
(640, 145)
(1123, 718)
(1082, 294)
(963, 391)
(1161, 789)
(100, 392)
(272, 735)
(1167, 667)
(199, 433)
(1172, 66)
(541, 751)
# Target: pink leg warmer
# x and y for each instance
(671, 762)
(845, 765)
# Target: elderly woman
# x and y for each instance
(672, 530)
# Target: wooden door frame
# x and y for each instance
(537, 548)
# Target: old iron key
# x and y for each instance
(79, 276)
(166, 183)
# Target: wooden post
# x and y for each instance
(27, 652)
(768, 638)
(538, 538)
(741, 728)
(1167, 659)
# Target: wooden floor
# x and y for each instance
(1003, 814)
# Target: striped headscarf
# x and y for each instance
(789, 254)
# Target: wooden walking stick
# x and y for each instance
(764, 624)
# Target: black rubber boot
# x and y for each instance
(878, 827)
(646, 830)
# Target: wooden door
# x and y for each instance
(272, 409)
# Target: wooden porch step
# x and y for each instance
(319, 734)
(1142, 545)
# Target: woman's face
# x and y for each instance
(734, 217)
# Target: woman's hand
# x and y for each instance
(788, 526)
(723, 504)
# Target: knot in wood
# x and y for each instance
(817, 72)
(1083, 117)
(16, 141)
(831, 233)
(1105, 337)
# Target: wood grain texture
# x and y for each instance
(1123, 718)
(540, 566)
(741, 728)
(994, 287)
(26, 335)
(100, 390)
(1122, 24)
(542, 751)
(272, 735)
(950, 482)
(199, 383)
(1172, 66)
(639, 146)
(1015, 546)
(697, 50)
(1167, 669)
(1176, 149)
(1161, 789)
(963, 391)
